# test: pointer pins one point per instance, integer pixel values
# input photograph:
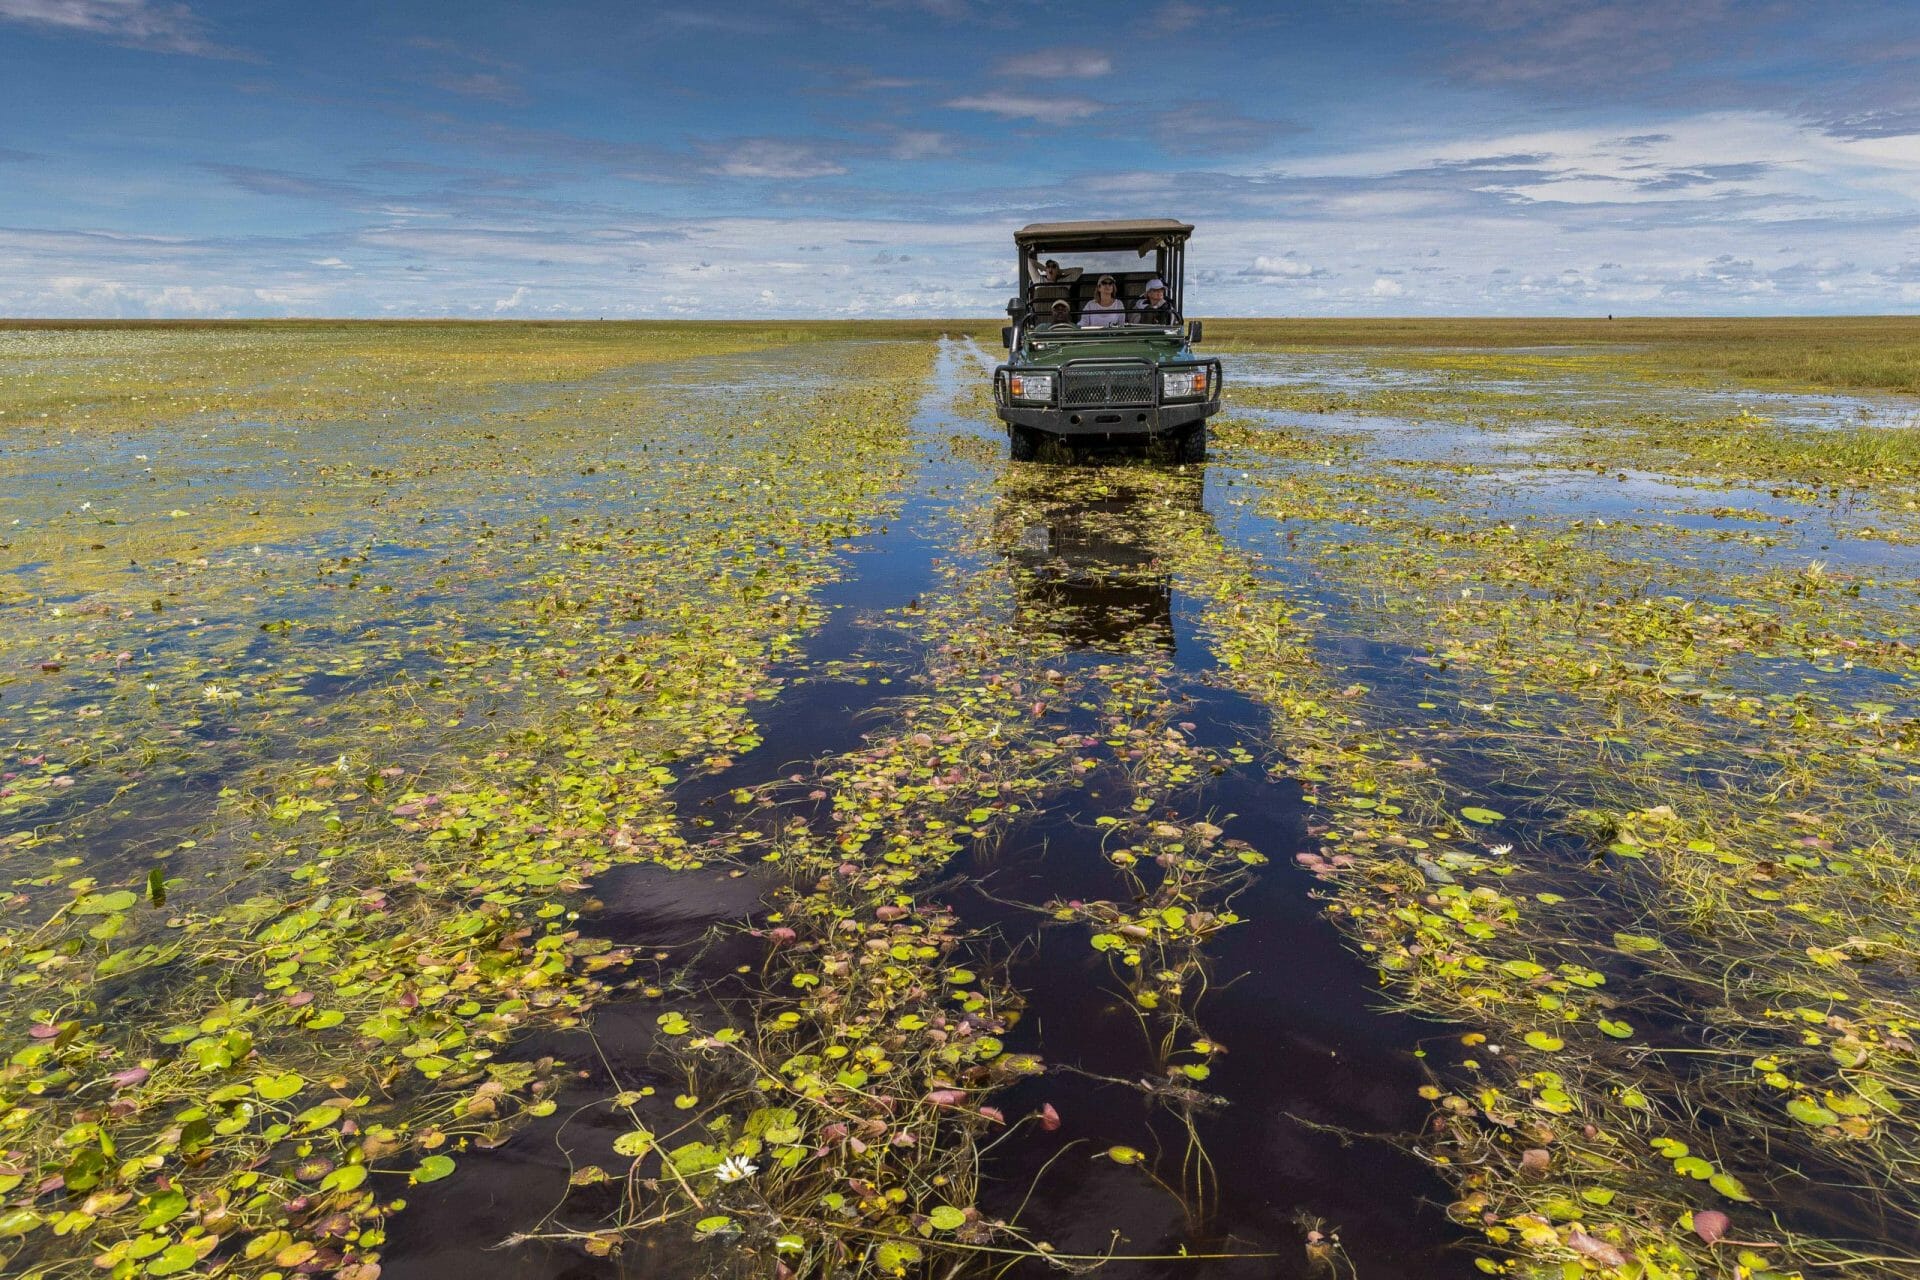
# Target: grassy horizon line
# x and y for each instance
(1865, 352)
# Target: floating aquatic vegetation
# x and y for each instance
(1672, 1019)
(297, 1007)
(339, 669)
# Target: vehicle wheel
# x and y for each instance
(1192, 444)
(1023, 444)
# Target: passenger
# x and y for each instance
(1154, 306)
(1105, 309)
(1050, 272)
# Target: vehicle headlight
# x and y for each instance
(1030, 386)
(1186, 382)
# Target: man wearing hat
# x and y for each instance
(1154, 306)
(1061, 312)
(1105, 309)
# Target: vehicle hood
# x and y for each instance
(1038, 352)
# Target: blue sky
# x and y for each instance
(867, 158)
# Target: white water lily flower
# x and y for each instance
(213, 692)
(735, 1169)
(1500, 850)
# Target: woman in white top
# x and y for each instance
(1105, 309)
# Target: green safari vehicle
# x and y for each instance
(1098, 350)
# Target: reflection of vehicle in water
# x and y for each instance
(1083, 545)
(1098, 350)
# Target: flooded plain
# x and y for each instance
(587, 802)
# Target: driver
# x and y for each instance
(1061, 312)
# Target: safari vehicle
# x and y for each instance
(1134, 381)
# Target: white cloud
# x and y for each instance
(330, 262)
(1683, 160)
(918, 144)
(167, 28)
(1488, 261)
(479, 84)
(1057, 64)
(1287, 268)
(1022, 106)
(1179, 15)
(773, 158)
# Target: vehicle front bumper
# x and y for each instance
(1109, 420)
(1137, 420)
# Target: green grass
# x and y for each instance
(1863, 352)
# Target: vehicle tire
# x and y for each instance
(1191, 446)
(1023, 444)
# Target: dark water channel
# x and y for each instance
(1313, 1066)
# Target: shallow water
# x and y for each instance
(1313, 1110)
(1307, 1044)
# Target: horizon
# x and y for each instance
(780, 162)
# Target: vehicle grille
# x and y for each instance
(1099, 388)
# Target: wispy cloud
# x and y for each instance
(916, 144)
(856, 81)
(466, 52)
(1057, 64)
(479, 84)
(1181, 15)
(1212, 126)
(164, 28)
(1550, 42)
(1025, 106)
(770, 158)
(281, 182)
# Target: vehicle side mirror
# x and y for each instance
(1006, 336)
(1193, 331)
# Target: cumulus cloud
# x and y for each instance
(164, 28)
(1385, 288)
(1057, 64)
(1286, 267)
(1024, 106)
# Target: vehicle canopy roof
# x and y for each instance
(1143, 234)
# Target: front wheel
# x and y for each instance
(1191, 446)
(1023, 444)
